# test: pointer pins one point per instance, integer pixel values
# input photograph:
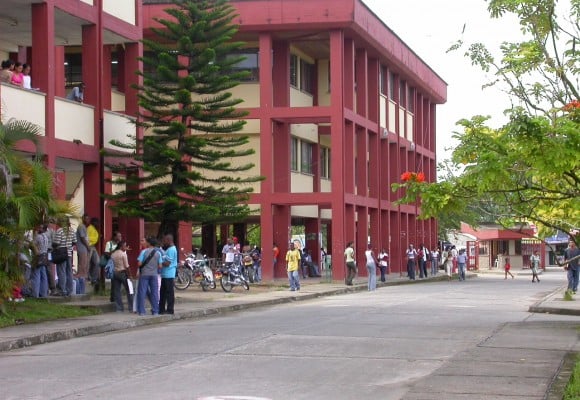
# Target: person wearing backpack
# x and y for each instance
(121, 273)
(150, 261)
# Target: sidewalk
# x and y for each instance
(190, 303)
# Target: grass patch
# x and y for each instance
(572, 391)
(37, 310)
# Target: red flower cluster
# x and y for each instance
(413, 176)
(573, 105)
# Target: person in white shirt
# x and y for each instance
(383, 263)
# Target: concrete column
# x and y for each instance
(338, 170)
(281, 236)
(43, 73)
(362, 234)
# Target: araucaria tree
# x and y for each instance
(527, 171)
(189, 165)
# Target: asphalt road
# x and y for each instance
(402, 342)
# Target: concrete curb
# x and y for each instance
(562, 377)
(541, 307)
(71, 333)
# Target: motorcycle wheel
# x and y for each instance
(204, 286)
(225, 284)
(250, 274)
(245, 284)
(182, 279)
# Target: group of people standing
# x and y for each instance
(16, 73)
(157, 265)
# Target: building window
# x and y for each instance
(306, 77)
(383, 79)
(391, 84)
(293, 154)
(483, 248)
(411, 100)
(325, 162)
(250, 63)
(294, 70)
(403, 94)
(306, 157)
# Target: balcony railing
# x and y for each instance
(24, 105)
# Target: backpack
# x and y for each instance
(109, 268)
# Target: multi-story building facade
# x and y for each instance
(339, 107)
(66, 42)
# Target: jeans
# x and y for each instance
(148, 285)
(120, 279)
(372, 271)
(65, 277)
(39, 282)
(383, 269)
(461, 270)
(351, 272)
(258, 272)
(166, 296)
(434, 267)
(411, 269)
(294, 280)
(422, 268)
(573, 278)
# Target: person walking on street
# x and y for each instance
(535, 266)
(292, 265)
(350, 263)
(167, 293)
(507, 266)
(372, 263)
(571, 256)
(411, 254)
(448, 259)
(383, 263)
(461, 263)
(434, 262)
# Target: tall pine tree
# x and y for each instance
(186, 168)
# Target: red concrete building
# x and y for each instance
(339, 107)
(67, 42)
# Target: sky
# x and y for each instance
(430, 32)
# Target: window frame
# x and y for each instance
(306, 157)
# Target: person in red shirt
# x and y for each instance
(275, 254)
(507, 266)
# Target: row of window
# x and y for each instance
(302, 158)
(406, 93)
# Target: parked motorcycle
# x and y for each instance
(248, 267)
(232, 275)
(194, 270)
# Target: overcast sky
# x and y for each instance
(430, 27)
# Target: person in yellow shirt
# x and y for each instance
(292, 264)
(93, 239)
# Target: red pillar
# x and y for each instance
(266, 155)
(44, 71)
(337, 168)
(59, 75)
(281, 220)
